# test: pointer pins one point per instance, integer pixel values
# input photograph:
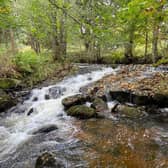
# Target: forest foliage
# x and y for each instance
(101, 31)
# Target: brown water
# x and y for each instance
(121, 145)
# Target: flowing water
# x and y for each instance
(91, 143)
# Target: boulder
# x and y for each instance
(78, 99)
(82, 112)
(129, 111)
(99, 105)
(8, 83)
(48, 160)
(6, 101)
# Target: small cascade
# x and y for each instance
(44, 107)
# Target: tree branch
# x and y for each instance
(69, 15)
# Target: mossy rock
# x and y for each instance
(8, 83)
(81, 111)
(99, 105)
(5, 101)
(70, 101)
(130, 111)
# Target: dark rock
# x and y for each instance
(113, 110)
(6, 101)
(35, 99)
(46, 129)
(74, 100)
(48, 160)
(99, 105)
(81, 111)
(130, 111)
(141, 99)
(121, 96)
(161, 99)
(56, 92)
(30, 112)
(47, 97)
(8, 83)
(162, 117)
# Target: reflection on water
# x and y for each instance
(117, 145)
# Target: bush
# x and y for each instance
(7, 67)
(27, 62)
(163, 61)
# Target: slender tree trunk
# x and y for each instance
(146, 41)
(129, 47)
(63, 35)
(155, 42)
(12, 39)
(146, 45)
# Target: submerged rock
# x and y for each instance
(48, 160)
(46, 129)
(81, 111)
(129, 111)
(78, 99)
(6, 101)
(55, 92)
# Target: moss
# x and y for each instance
(130, 112)
(5, 101)
(7, 83)
(163, 61)
(82, 112)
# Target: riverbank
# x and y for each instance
(12, 90)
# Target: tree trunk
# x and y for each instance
(63, 35)
(155, 42)
(12, 39)
(146, 45)
(129, 47)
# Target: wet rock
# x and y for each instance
(46, 129)
(81, 111)
(35, 99)
(120, 95)
(129, 111)
(162, 117)
(8, 83)
(30, 112)
(6, 101)
(74, 100)
(99, 105)
(48, 160)
(89, 78)
(161, 99)
(47, 97)
(56, 92)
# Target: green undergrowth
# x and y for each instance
(31, 68)
(163, 61)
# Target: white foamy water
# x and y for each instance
(17, 128)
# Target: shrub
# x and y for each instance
(27, 61)
(163, 61)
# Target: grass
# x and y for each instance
(29, 67)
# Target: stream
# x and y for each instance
(93, 143)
